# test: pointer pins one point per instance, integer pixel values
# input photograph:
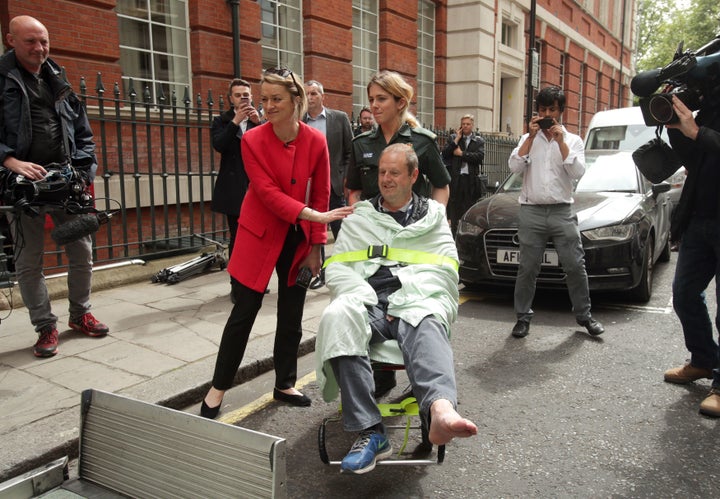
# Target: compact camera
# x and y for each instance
(546, 123)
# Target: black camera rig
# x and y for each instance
(63, 187)
(692, 76)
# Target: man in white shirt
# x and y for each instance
(550, 158)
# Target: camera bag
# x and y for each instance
(656, 159)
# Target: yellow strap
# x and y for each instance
(395, 254)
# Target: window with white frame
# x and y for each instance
(281, 30)
(507, 35)
(365, 49)
(154, 46)
(426, 62)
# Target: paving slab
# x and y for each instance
(161, 348)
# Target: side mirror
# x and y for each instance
(660, 188)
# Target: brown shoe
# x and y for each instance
(711, 405)
(686, 374)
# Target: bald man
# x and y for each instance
(43, 123)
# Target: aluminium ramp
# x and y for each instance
(145, 450)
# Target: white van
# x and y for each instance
(625, 130)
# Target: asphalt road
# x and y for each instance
(560, 413)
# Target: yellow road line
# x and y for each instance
(261, 402)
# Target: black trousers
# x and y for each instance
(465, 191)
(232, 221)
(288, 329)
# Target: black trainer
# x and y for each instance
(521, 329)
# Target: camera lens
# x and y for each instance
(660, 107)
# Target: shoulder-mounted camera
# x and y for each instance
(691, 76)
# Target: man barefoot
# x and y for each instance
(446, 423)
(405, 289)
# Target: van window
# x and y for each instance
(618, 138)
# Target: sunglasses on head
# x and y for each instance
(284, 73)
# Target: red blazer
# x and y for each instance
(284, 178)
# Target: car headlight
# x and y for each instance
(611, 233)
(465, 228)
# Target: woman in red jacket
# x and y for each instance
(282, 225)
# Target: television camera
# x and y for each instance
(692, 76)
(63, 186)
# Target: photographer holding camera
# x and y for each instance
(550, 158)
(43, 122)
(696, 224)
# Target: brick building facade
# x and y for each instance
(460, 55)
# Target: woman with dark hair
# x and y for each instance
(282, 225)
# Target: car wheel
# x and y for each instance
(665, 253)
(643, 291)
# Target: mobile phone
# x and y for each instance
(546, 123)
(304, 277)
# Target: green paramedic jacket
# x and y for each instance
(426, 288)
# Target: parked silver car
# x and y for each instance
(625, 130)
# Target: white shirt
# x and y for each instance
(547, 178)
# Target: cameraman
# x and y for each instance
(696, 225)
(42, 122)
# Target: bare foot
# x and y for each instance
(446, 423)
(214, 397)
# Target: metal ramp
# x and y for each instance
(130, 448)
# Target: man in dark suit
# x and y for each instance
(338, 132)
(227, 130)
(464, 152)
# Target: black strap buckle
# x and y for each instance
(378, 251)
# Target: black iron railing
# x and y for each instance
(158, 168)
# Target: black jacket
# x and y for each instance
(15, 125)
(693, 153)
(473, 154)
(232, 181)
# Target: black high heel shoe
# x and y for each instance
(298, 400)
(209, 412)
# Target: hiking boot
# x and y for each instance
(711, 405)
(593, 327)
(369, 448)
(89, 325)
(47, 343)
(686, 374)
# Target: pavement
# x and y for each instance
(161, 349)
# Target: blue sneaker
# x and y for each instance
(369, 447)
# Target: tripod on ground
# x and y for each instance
(198, 265)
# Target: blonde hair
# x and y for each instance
(394, 84)
(293, 84)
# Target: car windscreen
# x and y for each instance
(619, 137)
(608, 173)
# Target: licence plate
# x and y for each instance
(512, 257)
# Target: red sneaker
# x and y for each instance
(47, 343)
(89, 325)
